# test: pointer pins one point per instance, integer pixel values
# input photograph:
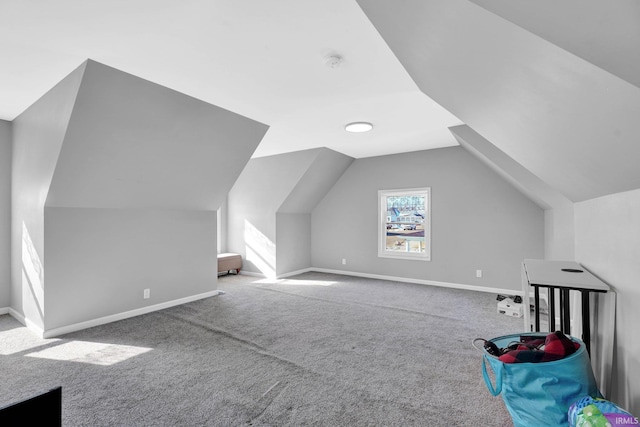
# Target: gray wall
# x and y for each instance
(269, 204)
(558, 215)
(99, 261)
(118, 183)
(5, 214)
(608, 244)
(559, 238)
(293, 249)
(38, 134)
(263, 186)
(479, 221)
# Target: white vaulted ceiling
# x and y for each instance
(568, 120)
(554, 85)
(605, 34)
(265, 60)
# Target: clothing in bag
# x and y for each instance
(539, 390)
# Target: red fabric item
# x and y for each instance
(556, 346)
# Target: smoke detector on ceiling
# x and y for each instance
(333, 60)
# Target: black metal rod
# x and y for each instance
(566, 327)
(586, 321)
(561, 307)
(536, 302)
(552, 309)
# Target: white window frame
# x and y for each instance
(384, 220)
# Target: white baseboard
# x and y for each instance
(50, 333)
(26, 322)
(251, 273)
(418, 281)
(393, 278)
(54, 332)
(294, 273)
(29, 324)
(280, 276)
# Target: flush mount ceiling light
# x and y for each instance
(358, 127)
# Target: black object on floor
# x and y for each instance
(44, 410)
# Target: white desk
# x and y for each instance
(564, 276)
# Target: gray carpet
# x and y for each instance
(313, 350)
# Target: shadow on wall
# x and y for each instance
(259, 250)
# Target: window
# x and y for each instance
(404, 223)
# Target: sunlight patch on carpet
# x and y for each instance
(95, 353)
(296, 282)
(20, 339)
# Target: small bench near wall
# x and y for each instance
(228, 262)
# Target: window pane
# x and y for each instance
(404, 224)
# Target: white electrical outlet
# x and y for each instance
(147, 293)
(344, 261)
(478, 273)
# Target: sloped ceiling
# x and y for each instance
(606, 34)
(265, 60)
(320, 176)
(554, 85)
(569, 121)
(130, 143)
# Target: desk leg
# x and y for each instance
(586, 321)
(561, 307)
(536, 302)
(525, 299)
(565, 311)
(551, 309)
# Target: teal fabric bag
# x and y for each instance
(540, 394)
